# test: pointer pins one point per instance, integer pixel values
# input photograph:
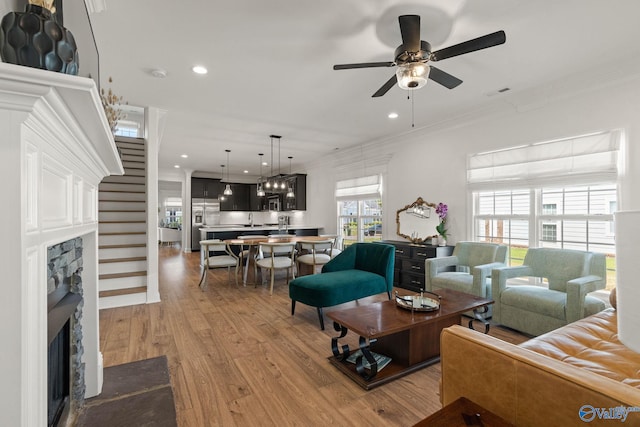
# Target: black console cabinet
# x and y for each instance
(408, 271)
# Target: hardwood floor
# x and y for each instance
(238, 358)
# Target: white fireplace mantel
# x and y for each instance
(56, 148)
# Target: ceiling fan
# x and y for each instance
(413, 54)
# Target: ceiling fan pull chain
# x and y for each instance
(412, 109)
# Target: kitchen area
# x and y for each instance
(216, 215)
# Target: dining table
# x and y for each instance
(252, 245)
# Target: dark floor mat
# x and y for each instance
(133, 394)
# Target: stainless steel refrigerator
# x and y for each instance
(203, 212)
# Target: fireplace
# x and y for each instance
(56, 148)
(65, 370)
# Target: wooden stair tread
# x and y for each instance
(122, 183)
(124, 191)
(121, 210)
(124, 246)
(124, 201)
(122, 275)
(119, 233)
(130, 259)
(122, 221)
(119, 292)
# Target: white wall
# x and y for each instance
(431, 163)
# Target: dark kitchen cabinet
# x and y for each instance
(298, 183)
(238, 201)
(256, 204)
(205, 188)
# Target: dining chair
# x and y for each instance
(245, 254)
(314, 253)
(222, 257)
(336, 248)
(245, 250)
(276, 256)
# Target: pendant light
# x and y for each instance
(290, 193)
(227, 189)
(269, 184)
(281, 180)
(222, 198)
(260, 189)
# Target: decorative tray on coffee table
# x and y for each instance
(419, 302)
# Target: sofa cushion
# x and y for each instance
(592, 344)
(336, 287)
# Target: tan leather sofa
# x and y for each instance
(546, 380)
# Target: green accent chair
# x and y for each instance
(467, 270)
(537, 309)
(361, 270)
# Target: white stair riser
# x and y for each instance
(122, 216)
(122, 239)
(122, 206)
(116, 179)
(122, 300)
(122, 283)
(121, 252)
(123, 227)
(122, 267)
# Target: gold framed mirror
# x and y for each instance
(417, 222)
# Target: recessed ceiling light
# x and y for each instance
(184, 156)
(199, 69)
(176, 166)
(246, 171)
(265, 164)
(393, 115)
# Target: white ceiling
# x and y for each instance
(270, 67)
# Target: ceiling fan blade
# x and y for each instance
(363, 65)
(479, 43)
(444, 78)
(385, 87)
(410, 30)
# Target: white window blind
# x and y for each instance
(359, 188)
(583, 159)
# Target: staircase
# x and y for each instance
(122, 237)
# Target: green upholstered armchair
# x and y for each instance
(536, 309)
(471, 263)
(361, 270)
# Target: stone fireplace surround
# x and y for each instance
(64, 329)
(56, 148)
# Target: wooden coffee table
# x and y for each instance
(410, 339)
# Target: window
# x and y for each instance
(132, 124)
(359, 209)
(564, 197)
(549, 232)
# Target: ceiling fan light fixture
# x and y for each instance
(412, 75)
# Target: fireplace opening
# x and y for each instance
(59, 371)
